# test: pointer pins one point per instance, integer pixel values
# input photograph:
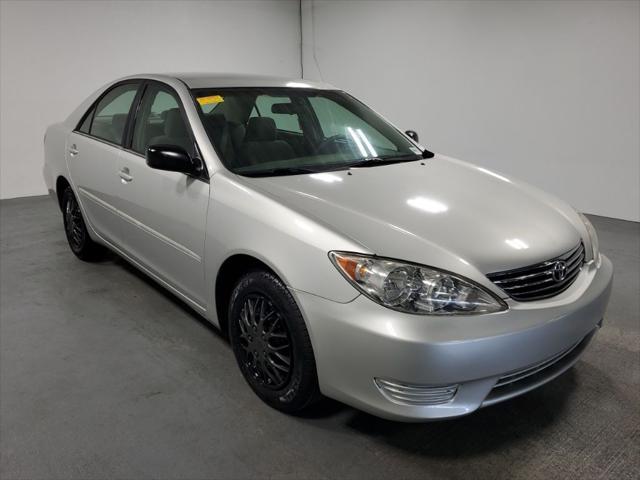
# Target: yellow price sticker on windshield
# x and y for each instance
(210, 99)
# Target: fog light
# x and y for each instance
(416, 395)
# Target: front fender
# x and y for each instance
(244, 221)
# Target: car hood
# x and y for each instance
(440, 212)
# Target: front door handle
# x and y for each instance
(73, 151)
(124, 175)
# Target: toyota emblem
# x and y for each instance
(559, 271)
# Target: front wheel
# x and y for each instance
(77, 235)
(271, 343)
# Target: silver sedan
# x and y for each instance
(341, 257)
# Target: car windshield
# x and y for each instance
(288, 131)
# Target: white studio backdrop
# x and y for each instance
(53, 54)
(546, 91)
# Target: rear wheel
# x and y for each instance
(271, 343)
(76, 230)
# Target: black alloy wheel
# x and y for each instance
(266, 345)
(74, 225)
(76, 230)
(271, 343)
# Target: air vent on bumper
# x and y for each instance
(416, 395)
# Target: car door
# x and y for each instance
(164, 212)
(92, 153)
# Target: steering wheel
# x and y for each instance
(332, 140)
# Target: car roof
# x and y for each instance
(219, 80)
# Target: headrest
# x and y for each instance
(174, 124)
(216, 120)
(260, 129)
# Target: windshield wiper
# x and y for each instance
(360, 163)
(375, 161)
(386, 160)
(272, 172)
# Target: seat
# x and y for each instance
(175, 132)
(237, 132)
(260, 144)
(216, 125)
(227, 136)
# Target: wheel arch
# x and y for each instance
(227, 277)
(61, 185)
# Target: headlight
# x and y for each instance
(593, 239)
(414, 288)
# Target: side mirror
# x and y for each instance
(172, 158)
(412, 134)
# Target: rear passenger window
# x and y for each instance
(111, 113)
(160, 122)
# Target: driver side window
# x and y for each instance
(160, 121)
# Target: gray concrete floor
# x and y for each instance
(104, 375)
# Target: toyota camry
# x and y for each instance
(341, 256)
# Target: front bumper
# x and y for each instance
(357, 342)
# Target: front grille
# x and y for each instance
(541, 280)
(409, 394)
(527, 372)
(520, 381)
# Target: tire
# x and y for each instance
(266, 329)
(76, 230)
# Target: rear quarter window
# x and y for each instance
(85, 126)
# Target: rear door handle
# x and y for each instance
(124, 175)
(73, 151)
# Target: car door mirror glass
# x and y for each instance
(413, 135)
(171, 158)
